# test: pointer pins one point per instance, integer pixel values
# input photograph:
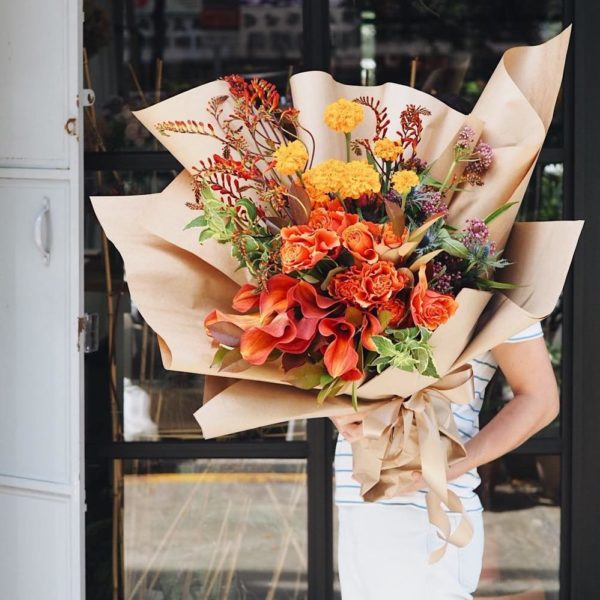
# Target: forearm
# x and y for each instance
(518, 420)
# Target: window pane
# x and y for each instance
(139, 52)
(521, 495)
(136, 399)
(457, 43)
(196, 529)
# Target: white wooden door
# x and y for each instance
(41, 457)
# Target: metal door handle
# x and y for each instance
(41, 231)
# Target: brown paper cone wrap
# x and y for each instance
(176, 282)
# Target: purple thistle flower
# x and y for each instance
(466, 137)
(483, 161)
(433, 204)
(476, 233)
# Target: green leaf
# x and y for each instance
(197, 222)
(306, 377)
(208, 194)
(452, 246)
(384, 346)
(251, 244)
(219, 356)
(249, 206)
(206, 234)
(496, 213)
(430, 370)
(495, 285)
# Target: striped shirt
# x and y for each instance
(466, 416)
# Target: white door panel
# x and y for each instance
(34, 545)
(34, 307)
(41, 369)
(34, 89)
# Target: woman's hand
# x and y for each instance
(350, 426)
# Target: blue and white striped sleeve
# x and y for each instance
(531, 333)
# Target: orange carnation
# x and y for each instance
(379, 282)
(368, 285)
(428, 308)
(358, 239)
(397, 308)
(303, 247)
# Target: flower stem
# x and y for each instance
(348, 138)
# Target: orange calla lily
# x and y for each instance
(370, 327)
(340, 357)
(274, 298)
(246, 298)
(258, 342)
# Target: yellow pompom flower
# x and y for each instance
(404, 181)
(326, 177)
(343, 115)
(290, 158)
(359, 178)
(387, 149)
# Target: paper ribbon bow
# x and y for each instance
(419, 433)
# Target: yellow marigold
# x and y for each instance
(325, 177)
(359, 178)
(290, 158)
(343, 115)
(387, 149)
(404, 181)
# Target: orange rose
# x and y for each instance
(397, 308)
(303, 247)
(428, 308)
(389, 238)
(359, 241)
(333, 220)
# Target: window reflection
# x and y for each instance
(141, 52)
(448, 48)
(521, 495)
(203, 529)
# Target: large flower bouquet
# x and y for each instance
(375, 232)
(353, 262)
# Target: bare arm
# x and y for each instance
(528, 371)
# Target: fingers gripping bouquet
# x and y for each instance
(356, 251)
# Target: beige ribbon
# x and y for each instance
(417, 434)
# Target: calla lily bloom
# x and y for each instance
(370, 327)
(242, 321)
(274, 298)
(258, 342)
(312, 304)
(246, 298)
(340, 357)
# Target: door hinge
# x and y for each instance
(87, 97)
(88, 333)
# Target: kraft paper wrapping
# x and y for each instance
(176, 282)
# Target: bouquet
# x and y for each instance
(353, 262)
(365, 240)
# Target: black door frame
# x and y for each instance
(580, 452)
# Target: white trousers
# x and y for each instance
(383, 554)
